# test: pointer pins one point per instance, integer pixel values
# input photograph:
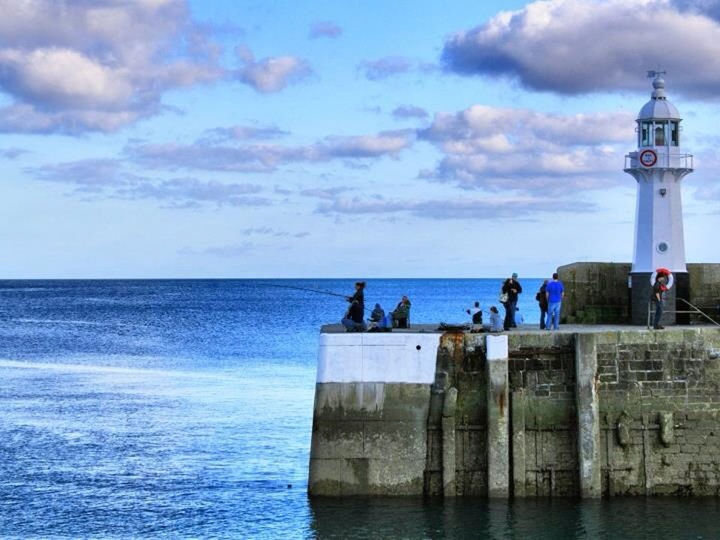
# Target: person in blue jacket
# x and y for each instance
(554, 291)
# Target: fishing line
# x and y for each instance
(316, 291)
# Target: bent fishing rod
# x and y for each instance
(308, 289)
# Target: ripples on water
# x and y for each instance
(184, 409)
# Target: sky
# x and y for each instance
(359, 139)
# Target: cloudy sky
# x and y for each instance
(172, 138)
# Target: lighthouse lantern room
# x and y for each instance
(658, 166)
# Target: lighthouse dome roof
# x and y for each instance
(659, 106)
(656, 108)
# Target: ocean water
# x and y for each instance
(183, 409)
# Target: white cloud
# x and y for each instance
(108, 178)
(580, 46)
(500, 148)
(409, 111)
(385, 67)
(327, 29)
(207, 155)
(270, 74)
(83, 66)
(481, 209)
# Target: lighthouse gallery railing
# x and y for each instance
(664, 159)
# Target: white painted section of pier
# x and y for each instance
(377, 357)
(497, 347)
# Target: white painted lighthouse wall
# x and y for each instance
(659, 219)
(377, 357)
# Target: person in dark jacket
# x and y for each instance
(401, 313)
(353, 319)
(512, 289)
(542, 301)
(359, 297)
(658, 297)
(377, 314)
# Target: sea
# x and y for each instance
(183, 409)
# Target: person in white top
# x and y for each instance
(476, 313)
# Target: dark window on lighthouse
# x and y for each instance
(645, 131)
(674, 133)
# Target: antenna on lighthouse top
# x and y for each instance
(658, 83)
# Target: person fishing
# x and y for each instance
(359, 297)
(353, 319)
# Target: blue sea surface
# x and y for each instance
(183, 409)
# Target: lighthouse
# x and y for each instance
(658, 165)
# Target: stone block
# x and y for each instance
(395, 476)
(372, 401)
(401, 440)
(338, 477)
(382, 477)
(337, 439)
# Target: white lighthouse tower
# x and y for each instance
(658, 166)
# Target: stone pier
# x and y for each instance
(586, 411)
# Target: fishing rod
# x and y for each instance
(308, 289)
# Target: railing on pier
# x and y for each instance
(694, 310)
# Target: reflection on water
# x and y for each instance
(652, 518)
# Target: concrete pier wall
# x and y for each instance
(372, 402)
(587, 411)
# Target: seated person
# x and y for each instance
(353, 320)
(377, 314)
(476, 313)
(496, 322)
(401, 313)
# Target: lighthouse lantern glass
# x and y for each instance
(660, 135)
(645, 131)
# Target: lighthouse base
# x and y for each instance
(641, 294)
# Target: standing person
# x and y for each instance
(512, 289)
(543, 303)
(554, 292)
(658, 296)
(359, 297)
(476, 313)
